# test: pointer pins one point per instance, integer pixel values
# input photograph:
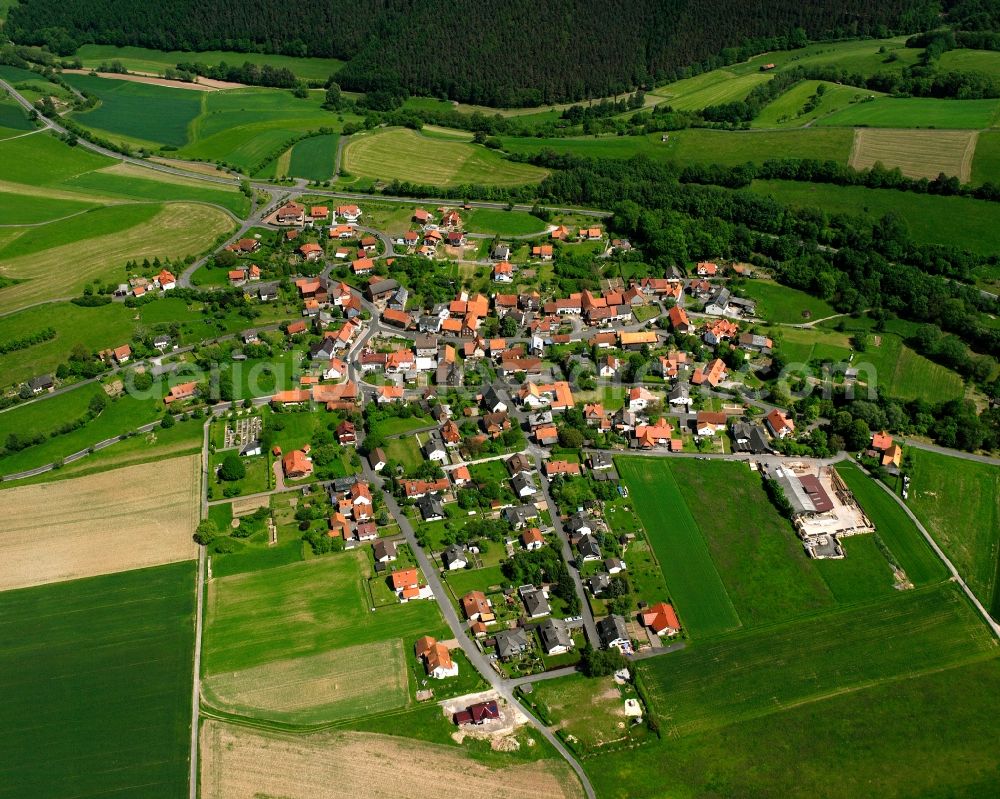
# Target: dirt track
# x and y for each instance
(100, 524)
(239, 763)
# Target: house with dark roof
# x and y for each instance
(511, 643)
(588, 548)
(598, 583)
(613, 633)
(536, 603)
(520, 516)
(455, 557)
(555, 637)
(479, 713)
(430, 507)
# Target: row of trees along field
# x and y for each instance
(494, 52)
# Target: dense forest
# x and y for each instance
(494, 52)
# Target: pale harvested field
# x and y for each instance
(59, 194)
(356, 681)
(143, 173)
(239, 763)
(917, 153)
(191, 166)
(132, 78)
(100, 524)
(178, 230)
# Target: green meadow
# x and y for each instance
(303, 609)
(785, 305)
(958, 501)
(696, 588)
(143, 59)
(917, 112)
(931, 219)
(20, 209)
(788, 110)
(503, 223)
(894, 527)
(700, 146)
(97, 698)
(986, 161)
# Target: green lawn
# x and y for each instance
(465, 580)
(916, 112)
(503, 223)
(258, 477)
(405, 451)
(395, 425)
(403, 154)
(894, 527)
(714, 88)
(142, 59)
(696, 589)
(757, 673)
(97, 696)
(958, 501)
(300, 610)
(956, 221)
(20, 209)
(589, 710)
(761, 562)
(880, 744)
(783, 304)
(963, 60)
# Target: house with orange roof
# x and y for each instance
(542, 251)
(420, 216)
(396, 318)
(237, 277)
(295, 396)
(553, 468)
(717, 330)
(165, 280)
(122, 354)
(311, 251)
(387, 394)
(561, 233)
(339, 526)
(451, 220)
(709, 423)
(881, 441)
(437, 658)
(338, 396)
(181, 392)
(679, 319)
(779, 425)
(291, 213)
(654, 435)
(362, 266)
(546, 435)
(477, 607)
(713, 374)
(590, 233)
(707, 269)
(640, 398)
(661, 619)
(297, 464)
(296, 327)
(342, 232)
(349, 213)
(461, 475)
(244, 246)
(635, 340)
(503, 272)
(319, 212)
(532, 539)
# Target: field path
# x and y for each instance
(965, 173)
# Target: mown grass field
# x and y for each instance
(958, 501)
(986, 161)
(588, 709)
(403, 154)
(19, 209)
(696, 588)
(783, 304)
(916, 153)
(343, 683)
(698, 146)
(894, 527)
(712, 88)
(97, 698)
(787, 111)
(300, 610)
(13, 120)
(766, 573)
(899, 738)
(314, 157)
(99, 243)
(143, 59)
(931, 219)
(963, 60)
(917, 112)
(862, 574)
(759, 673)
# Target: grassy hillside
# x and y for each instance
(917, 112)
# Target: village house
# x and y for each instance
(661, 619)
(613, 633)
(532, 539)
(291, 213)
(709, 423)
(349, 213)
(555, 637)
(181, 392)
(779, 425)
(477, 607)
(437, 659)
(297, 464)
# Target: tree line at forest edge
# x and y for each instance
(492, 52)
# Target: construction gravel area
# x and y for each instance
(242, 763)
(110, 522)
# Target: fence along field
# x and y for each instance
(344, 683)
(97, 684)
(917, 153)
(243, 763)
(100, 524)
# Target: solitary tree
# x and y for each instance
(232, 468)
